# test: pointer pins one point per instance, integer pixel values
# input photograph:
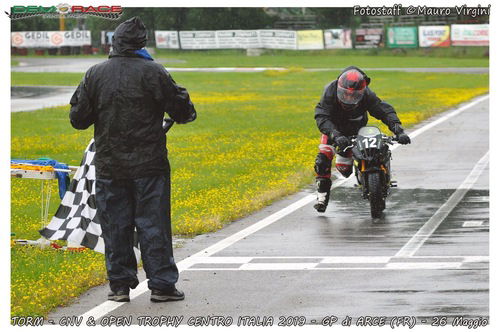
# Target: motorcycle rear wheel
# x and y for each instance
(375, 194)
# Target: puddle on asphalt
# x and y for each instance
(18, 92)
(348, 217)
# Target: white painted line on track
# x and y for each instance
(108, 306)
(336, 259)
(302, 266)
(473, 224)
(412, 246)
(478, 199)
(476, 259)
(278, 266)
(221, 260)
(337, 263)
(355, 259)
(424, 265)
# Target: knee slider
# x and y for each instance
(345, 170)
(343, 163)
(323, 165)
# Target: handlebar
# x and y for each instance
(390, 139)
(387, 139)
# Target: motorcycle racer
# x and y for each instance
(341, 112)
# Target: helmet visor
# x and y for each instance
(349, 96)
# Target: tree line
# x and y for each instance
(211, 18)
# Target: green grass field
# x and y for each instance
(324, 58)
(254, 142)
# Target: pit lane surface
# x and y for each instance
(301, 263)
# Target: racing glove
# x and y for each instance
(404, 139)
(400, 134)
(340, 142)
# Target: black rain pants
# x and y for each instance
(144, 204)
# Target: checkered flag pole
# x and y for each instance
(75, 220)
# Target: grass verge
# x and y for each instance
(364, 58)
(254, 141)
(20, 78)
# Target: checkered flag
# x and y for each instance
(75, 220)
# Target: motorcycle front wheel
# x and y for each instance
(375, 194)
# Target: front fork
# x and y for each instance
(362, 170)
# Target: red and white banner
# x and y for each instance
(167, 39)
(369, 38)
(434, 36)
(470, 35)
(337, 38)
(50, 39)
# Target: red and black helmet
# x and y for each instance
(351, 87)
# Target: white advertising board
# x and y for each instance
(278, 39)
(470, 35)
(434, 36)
(197, 40)
(238, 38)
(50, 39)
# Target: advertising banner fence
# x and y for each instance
(167, 39)
(434, 36)
(470, 35)
(402, 37)
(278, 39)
(337, 38)
(191, 40)
(369, 38)
(220, 39)
(50, 39)
(397, 37)
(310, 40)
(238, 39)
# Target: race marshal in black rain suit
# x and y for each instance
(126, 98)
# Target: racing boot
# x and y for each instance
(322, 194)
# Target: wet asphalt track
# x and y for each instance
(80, 65)
(31, 98)
(342, 263)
